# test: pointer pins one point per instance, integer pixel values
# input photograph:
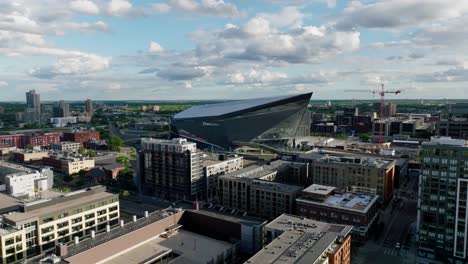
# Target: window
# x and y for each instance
(77, 220)
(88, 216)
(63, 224)
(48, 219)
(47, 229)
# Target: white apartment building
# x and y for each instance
(63, 121)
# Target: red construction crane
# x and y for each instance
(382, 93)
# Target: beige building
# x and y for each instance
(69, 164)
(252, 190)
(371, 175)
(65, 146)
(42, 224)
(29, 155)
(215, 166)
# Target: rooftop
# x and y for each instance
(213, 158)
(50, 206)
(446, 141)
(350, 201)
(374, 162)
(302, 241)
(319, 189)
(219, 109)
(8, 202)
(276, 186)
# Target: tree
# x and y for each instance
(82, 151)
(92, 153)
(125, 193)
(365, 137)
(123, 160)
(115, 143)
(28, 146)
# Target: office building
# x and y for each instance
(252, 190)
(454, 122)
(357, 173)
(215, 165)
(293, 239)
(66, 146)
(89, 107)
(268, 120)
(34, 140)
(63, 121)
(171, 169)
(26, 155)
(332, 205)
(81, 136)
(442, 203)
(68, 164)
(41, 225)
(62, 109)
(33, 107)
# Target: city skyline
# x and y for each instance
(192, 49)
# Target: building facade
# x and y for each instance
(66, 146)
(34, 140)
(69, 164)
(171, 169)
(40, 226)
(331, 205)
(27, 183)
(214, 167)
(81, 136)
(442, 200)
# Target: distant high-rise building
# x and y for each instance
(442, 200)
(62, 109)
(89, 107)
(390, 109)
(33, 107)
(171, 169)
(454, 121)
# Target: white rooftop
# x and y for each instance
(319, 189)
(446, 141)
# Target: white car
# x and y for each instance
(397, 245)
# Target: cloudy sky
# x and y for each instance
(215, 49)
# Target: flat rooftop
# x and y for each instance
(302, 241)
(347, 201)
(359, 161)
(61, 205)
(276, 186)
(191, 248)
(7, 202)
(231, 217)
(212, 159)
(319, 189)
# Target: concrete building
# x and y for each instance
(216, 165)
(89, 107)
(81, 136)
(34, 140)
(24, 155)
(22, 181)
(62, 109)
(63, 121)
(33, 107)
(251, 190)
(454, 122)
(323, 128)
(294, 239)
(371, 175)
(442, 202)
(66, 146)
(331, 205)
(69, 164)
(41, 225)
(171, 169)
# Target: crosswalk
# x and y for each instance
(391, 251)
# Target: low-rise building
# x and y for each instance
(331, 205)
(69, 164)
(24, 155)
(42, 224)
(81, 136)
(66, 146)
(63, 121)
(34, 140)
(252, 190)
(293, 239)
(21, 181)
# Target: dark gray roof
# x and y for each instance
(227, 107)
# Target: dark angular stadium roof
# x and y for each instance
(218, 109)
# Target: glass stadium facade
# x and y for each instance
(223, 125)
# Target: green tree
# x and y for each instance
(365, 137)
(115, 143)
(123, 160)
(125, 193)
(92, 153)
(82, 151)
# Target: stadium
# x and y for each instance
(271, 121)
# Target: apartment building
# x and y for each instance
(171, 169)
(69, 164)
(442, 200)
(42, 224)
(34, 140)
(252, 190)
(65, 146)
(292, 239)
(332, 205)
(81, 136)
(363, 174)
(215, 165)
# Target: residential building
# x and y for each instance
(215, 165)
(289, 172)
(454, 122)
(34, 140)
(358, 173)
(252, 190)
(41, 225)
(63, 121)
(293, 239)
(68, 164)
(442, 200)
(332, 205)
(89, 107)
(62, 109)
(81, 136)
(66, 146)
(171, 169)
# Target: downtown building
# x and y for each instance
(276, 120)
(39, 226)
(34, 140)
(81, 136)
(171, 169)
(442, 200)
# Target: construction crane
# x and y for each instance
(382, 93)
